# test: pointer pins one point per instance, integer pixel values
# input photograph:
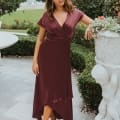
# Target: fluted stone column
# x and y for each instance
(106, 72)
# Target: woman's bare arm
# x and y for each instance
(39, 41)
(40, 38)
(86, 20)
(88, 32)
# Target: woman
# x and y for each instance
(51, 61)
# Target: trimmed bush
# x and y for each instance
(33, 30)
(79, 37)
(18, 25)
(5, 26)
(77, 60)
(92, 8)
(89, 89)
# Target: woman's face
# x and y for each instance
(59, 3)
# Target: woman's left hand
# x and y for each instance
(88, 33)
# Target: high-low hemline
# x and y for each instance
(59, 113)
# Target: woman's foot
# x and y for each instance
(48, 113)
(52, 116)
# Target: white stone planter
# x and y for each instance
(107, 47)
(107, 74)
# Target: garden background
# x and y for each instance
(82, 51)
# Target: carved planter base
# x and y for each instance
(106, 72)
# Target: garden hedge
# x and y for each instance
(89, 89)
(21, 25)
(79, 37)
(92, 8)
(24, 47)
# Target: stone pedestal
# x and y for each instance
(106, 72)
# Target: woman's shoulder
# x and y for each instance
(77, 10)
(43, 19)
(78, 14)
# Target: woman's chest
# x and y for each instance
(68, 26)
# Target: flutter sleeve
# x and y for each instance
(80, 14)
(42, 20)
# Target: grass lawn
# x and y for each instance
(30, 15)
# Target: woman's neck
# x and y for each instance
(59, 9)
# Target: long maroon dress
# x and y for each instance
(53, 84)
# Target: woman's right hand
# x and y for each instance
(35, 68)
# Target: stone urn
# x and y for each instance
(106, 72)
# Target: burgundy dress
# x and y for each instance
(53, 85)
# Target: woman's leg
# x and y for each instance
(48, 112)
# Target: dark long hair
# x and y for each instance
(50, 7)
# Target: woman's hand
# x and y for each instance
(40, 38)
(35, 68)
(88, 33)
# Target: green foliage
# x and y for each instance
(108, 24)
(79, 38)
(21, 25)
(111, 7)
(92, 8)
(90, 90)
(9, 5)
(84, 49)
(18, 25)
(5, 26)
(33, 30)
(77, 60)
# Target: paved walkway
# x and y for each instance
(16, 91)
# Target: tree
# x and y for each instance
(92, 8)
(9, 5)
(111, 7)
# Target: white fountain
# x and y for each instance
(107, 73)
(31, 4)
(6, 39)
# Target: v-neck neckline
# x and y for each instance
(61, 26)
